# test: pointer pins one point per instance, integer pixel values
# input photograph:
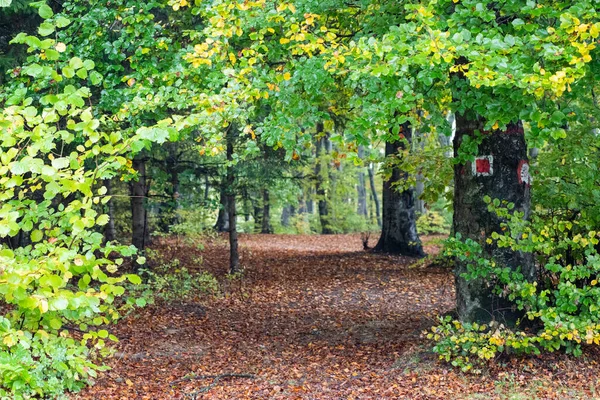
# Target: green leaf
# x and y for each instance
(68, 72)
(62, 22)
(5, 3)
(37, 235)
(135, 279)
(59, 303)
(61, 162)
(55, 323)
(141, 302)
(52, 280)
(102, 220)
(45, 11)
(46, 29)
(95, 78)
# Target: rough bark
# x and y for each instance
(139, 216)
(374, 194)
(503, 154)
(109, 228)
(362, 187)
(399, 229)
(266, 226)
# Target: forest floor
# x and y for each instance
(315, 317)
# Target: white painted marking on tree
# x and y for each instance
(523, 173)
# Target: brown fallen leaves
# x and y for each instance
(315, 317)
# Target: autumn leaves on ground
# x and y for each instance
(314, 317)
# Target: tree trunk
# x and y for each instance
(419, 189)
(234, 256)
(399, 230)
(266, 226)
(322, 148)
(222, 224)
(374, 194)
(500, 171)
(109, 228)
(362, 187)
(139, 220)
(286, 214)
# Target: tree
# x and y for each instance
(399, 229)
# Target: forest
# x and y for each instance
(336, 199)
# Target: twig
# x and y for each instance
(215, 378)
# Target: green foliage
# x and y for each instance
(560, 308)
(433, 222)
(170, 282)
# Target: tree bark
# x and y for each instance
(109, 228)
(222, 224)
(500, 171)
(323, 206)
(286, 214)
(362, 187)
(399, 230)
(374, 194)
(139, 216)
(266, 226)
(234, 256)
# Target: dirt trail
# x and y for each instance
(314, 318)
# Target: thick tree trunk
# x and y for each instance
(222, 224)
(374, 194)
(266, 226)
(362, 186)
(399, 230)
(139, 220)
(500, 171)
(109, 228)
(321, 191)
(234, 256)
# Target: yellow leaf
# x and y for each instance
(287, 76)
(594, 282)
(284, 40)
(60, 47)
(9, 341)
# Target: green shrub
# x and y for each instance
(433, 222)
(562, 305)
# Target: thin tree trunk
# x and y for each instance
(223, 223)
(206, 188)
(399, 230)
(234, 256)
(139, 224)
(374, 194)
(362, 187)
(266, 226)
(500, 171)
(322, 147)
(109, 228)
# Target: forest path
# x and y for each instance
(314, 317)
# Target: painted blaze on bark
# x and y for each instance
(399, 229)
(497, 172)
